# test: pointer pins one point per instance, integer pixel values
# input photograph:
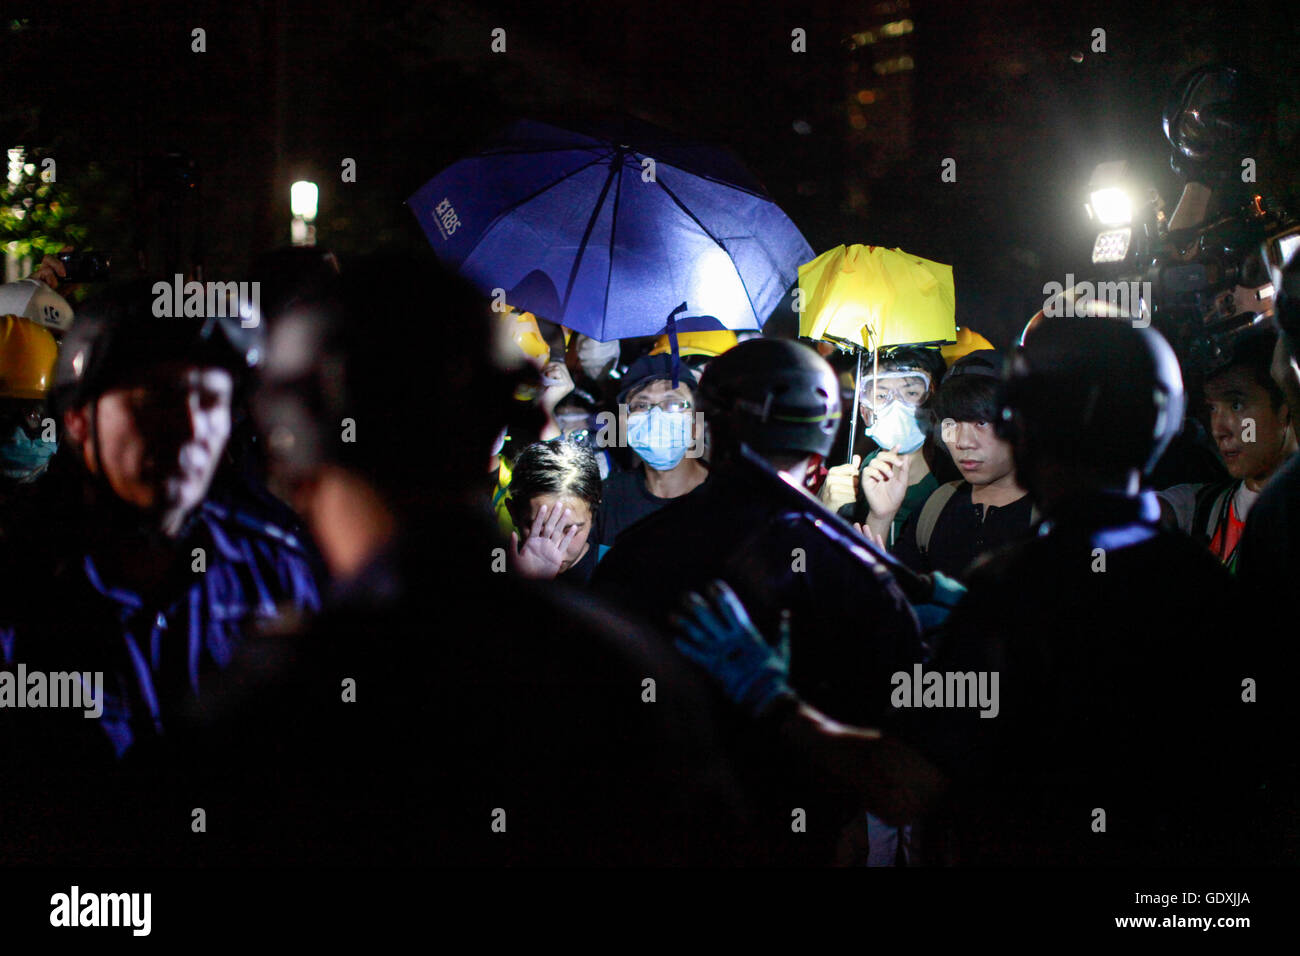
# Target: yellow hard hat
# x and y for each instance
(521, 330)
(27, 355)
(713, 342)
(968, 340)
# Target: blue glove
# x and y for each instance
(718, 635)
(947, 593)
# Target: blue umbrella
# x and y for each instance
(610, 232)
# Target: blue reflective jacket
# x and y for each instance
(157, 651)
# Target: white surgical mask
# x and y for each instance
(897, 427)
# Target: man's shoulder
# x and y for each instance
(235, 537)
(238, 522)
(1168, 560)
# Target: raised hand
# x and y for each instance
(543, 553)
(884, 484)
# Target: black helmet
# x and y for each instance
(985, 362)
(118, 333)
(1214, 117)
(1093, 391)
(773, 394)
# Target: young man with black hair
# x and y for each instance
(1250, 422)
(988, 507)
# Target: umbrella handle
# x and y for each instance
(853, 426)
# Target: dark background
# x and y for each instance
(848, 137)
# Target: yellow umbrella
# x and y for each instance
(872, 297)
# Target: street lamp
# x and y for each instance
(302, 202)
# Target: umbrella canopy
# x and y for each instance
(609, 232)
(873, 297)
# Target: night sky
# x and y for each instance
(287, 90)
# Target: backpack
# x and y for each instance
(1211, 501)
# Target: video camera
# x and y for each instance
(1206, 270)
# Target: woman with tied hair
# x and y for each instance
(554, 498)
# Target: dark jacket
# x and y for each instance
(850, 626)
(1120, 674)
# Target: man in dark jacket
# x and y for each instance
(123, 568)
(773, 406)
(440, 711)
(1079, 707)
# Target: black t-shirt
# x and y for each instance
(963, 532)
(580, 574)
(625, 500)
(1120, 654)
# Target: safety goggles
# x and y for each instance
(909, 386)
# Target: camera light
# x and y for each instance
(1112, 246)
(302, 199)
(1112, 206)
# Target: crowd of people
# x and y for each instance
(468, 588)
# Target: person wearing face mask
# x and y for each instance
(577, 415)
(663, 433)
(894, 407)
(773, 410)
(27, 356)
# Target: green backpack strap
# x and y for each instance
(930, 512)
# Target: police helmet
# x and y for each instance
(121, 332)
(1093, 391)
(775, 395)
